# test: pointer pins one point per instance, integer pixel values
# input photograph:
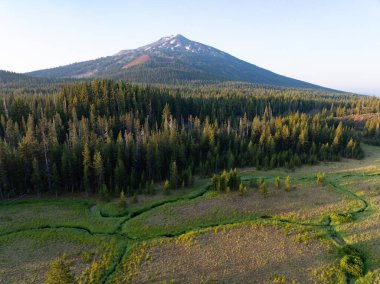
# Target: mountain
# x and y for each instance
(11, 77)
(173, 59)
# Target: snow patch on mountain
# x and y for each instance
(178, 44)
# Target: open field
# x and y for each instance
(142, 202)
(21, 215)
(364, 233)
(246, 253)
(200, 235)
(306, 203)
(25, 256)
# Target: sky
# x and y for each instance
(333, 43)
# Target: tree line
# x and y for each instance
(106, 137)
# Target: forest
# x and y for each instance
(109, 136)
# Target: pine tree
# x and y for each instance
(120, 174)
(263, 188)
(288, 183)
(338, 134)
(104, 193)
(242, 189)
(224, 181)
(277, 182)
(86, 168)
(98, 169)
(55, 179)
(37, 177)
(214, 182)
(173, 176)
(28, 150)
(122, 201)
(320, 178)
(166, 186)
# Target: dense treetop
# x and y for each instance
(111, 136)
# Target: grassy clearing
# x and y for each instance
(307, 203)
(30, 214)
(143, 202)
(362, 178)
(365, 231)
(254, 252)
(245, 253)
(370, 164)
(25, 256)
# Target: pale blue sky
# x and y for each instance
(334, 43)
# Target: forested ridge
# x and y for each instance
(105, 136)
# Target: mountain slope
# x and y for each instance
(11, 77)
(172, 59)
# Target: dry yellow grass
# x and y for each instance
(26, 259)
(365, 232)
(308, 203)
(249, 253)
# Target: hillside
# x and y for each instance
(12, 77)
(171, 60)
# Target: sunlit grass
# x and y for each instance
(232, 253)
(25, 256)
(21, 215)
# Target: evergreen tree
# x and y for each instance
(98, 169)
(263, 188)
(277, 182)
(86, 168)
(136, 133)
(173, 176)
(166, 186)
(37, 177)
(320, 178)
(55, 179)
(214, 182)
(122, 201)
(242, 189)
(104, 193)
(288, 183)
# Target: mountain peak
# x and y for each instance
(174, 37)
(179, 44)
(173, 58)
(171, 42)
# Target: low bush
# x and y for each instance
(353, 265)
(341, 218)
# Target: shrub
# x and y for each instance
(253, 183)
(349, 250)
(104, 193)
(277, 182)
(341, 218)
(60, 271)
(277, 279)
(353, 265)
(263, 188)
(330, 274)
(242, 189)
(227, 181)
(166, 186)
(215, 181)
(135, 198)
(320, 178)
(370, 277)
(122, 201)
(86, 257)
(288, 183)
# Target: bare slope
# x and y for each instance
(173, 59)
